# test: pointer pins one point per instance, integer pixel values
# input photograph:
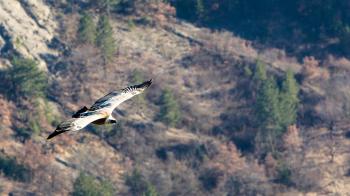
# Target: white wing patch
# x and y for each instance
(83, 121)
(109, 102)
(112, 100)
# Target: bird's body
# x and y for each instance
(101, 111)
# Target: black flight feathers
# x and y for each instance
(138, 86)
(66, 126)
(142, 86)
(56, 132)
(77, 114)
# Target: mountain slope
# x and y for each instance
(208, 74)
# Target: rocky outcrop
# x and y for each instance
(31, 26)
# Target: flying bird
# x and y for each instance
(101, 111)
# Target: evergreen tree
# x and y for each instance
(170, 111)
(138, 184)
(87, 29)
(267, 105)
(105, 40)
(267, 110)
(275, 109)
(289, 99)
(23, 79)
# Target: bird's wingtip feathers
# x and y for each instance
(146, 84)
(53, 134)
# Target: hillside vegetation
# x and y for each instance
(225, 115)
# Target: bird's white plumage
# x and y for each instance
(109, 102)
(101, 110)
(79, 123)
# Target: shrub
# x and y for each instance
(284, 176)
(23, 80)
(151, 191)
(247, 71)
(193, 153)
(170, 110)
(136, 182)
(86, 185)
(51, 116)
(32, 117)
(242, 183)
(138, 185)
(10, 168)
(210, 178)
(30, 124)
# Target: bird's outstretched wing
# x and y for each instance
(101, 109)
(110, 101)
(75, 124)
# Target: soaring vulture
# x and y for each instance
(101, 111)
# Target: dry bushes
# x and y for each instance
(312, 70)
(68, 27)
(5, 112)
(340, 64)
(292, 139)
(335, 106)
(162, 12)
(155, 13)
(227, 159)
(226, 45)
(45, 176)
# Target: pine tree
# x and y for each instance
(267, 105)
(24, 79)
(87, 29)
(105, 40)
(170, 111)
(289, 100)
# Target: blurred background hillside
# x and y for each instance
(250, 97)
